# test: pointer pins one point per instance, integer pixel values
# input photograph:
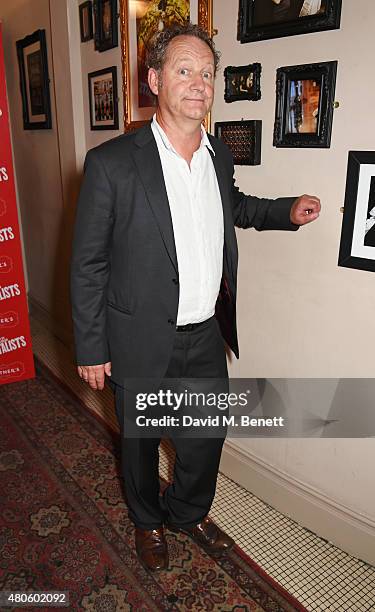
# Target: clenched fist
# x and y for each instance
(305, 209)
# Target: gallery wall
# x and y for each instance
(49, 162)
(299, 314)
(92, 61)
(38, 155)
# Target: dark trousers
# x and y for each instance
(199, 353)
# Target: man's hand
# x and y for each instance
(305, 209)
(95, 374)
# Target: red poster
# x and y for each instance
(16, 357)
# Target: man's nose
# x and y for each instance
(197, 82)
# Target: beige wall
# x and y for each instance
(37, 161)
(299, 314)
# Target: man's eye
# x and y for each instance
(184, 71)
(207, 75)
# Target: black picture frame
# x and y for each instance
(244, 138)
(34, 81)
(264, 19)
(103, 99)
(242, 83)
(106, 28)
(357, 243)
(85, 21)
(305, 100)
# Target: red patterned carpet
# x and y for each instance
(64, 525)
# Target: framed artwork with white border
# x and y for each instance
(103, 99)
(357, 245)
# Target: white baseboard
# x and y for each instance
(350, 531)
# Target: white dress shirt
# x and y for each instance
(197, 218)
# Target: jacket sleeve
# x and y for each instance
(90, 264)
(261, 213)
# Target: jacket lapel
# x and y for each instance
(230, 242)
(147, 160)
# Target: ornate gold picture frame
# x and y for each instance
(138, 108)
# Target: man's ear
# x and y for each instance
(153, 81)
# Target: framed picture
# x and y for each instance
(357, 245)
(140, 20)
(242, 82)
(106, 29)
(103, 99)
(244, 138)
(264, 19)
(304, 105)
(85, 21)
(34, 81)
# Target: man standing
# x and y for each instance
(154, 257)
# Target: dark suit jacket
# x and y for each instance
(124, 272)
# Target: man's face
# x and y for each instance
(185, 87)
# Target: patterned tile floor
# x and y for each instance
(319, 575)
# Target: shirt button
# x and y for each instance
(175, 281)
(171, 322)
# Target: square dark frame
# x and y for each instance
(249, 32)
(101, 43)
(113, 71)
(322, 71)
(37, 36)
(242, 71)
(356, 159)
(244, 138)
(86, 6)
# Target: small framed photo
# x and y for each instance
(85, 21)
(244, 138)
(357, 245)
(34, 81)
(103, 99)
(242, 82)
(305, 97)
(106, 28)
(264, 19)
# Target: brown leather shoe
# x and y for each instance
(152, 548)
(208, 535)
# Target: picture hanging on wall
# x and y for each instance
(34, 81)
(264, 19)
(242, 83)
(305, 97)
(103, 99)
(244, 138)
(357, 245)
(106, 26)
(85, 21)
(140, 21)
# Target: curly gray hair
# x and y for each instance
(157, 49)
